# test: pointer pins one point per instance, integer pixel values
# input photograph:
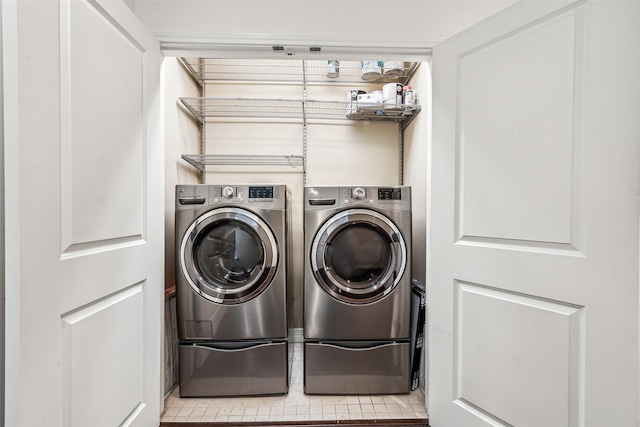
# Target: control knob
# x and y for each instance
(227, 192)
(358, 193)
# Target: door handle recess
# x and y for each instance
(322, 202)
(192, 201)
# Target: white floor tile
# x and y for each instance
(276, 410)
(198, 411)
(367, 408)
(364, 399)
(251, 410)
(184, 412)
(392, 407)
(211, 411)
(171, 412)
(329, 409)
(263, 410)
(342, 409)
(354, 409)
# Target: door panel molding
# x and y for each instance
(490, 351)
(94, 337)
(538, 207)
(108, 212)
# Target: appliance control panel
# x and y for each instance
(376, 195)
(203, 195)
(265, 192)
(263, 195)
(388, 197)
(389, 194)
(227, 194)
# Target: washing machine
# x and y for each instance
(232, 289)
(357, 290)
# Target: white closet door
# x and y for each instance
(91, 213)
(533, 279)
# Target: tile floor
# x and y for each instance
(295, 406)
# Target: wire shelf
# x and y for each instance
(293, 71)
(353, 72)
(345, 110)
(243, 107)
(304, 110)
(201, 161)
(207, 69)
(296, 71)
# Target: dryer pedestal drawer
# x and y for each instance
(356, 367)
(233, 368)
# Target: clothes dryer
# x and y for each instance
(231, 289)
(357, 290)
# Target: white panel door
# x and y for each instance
(91, 238)
(533, 274)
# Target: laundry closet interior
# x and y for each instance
(289, 121)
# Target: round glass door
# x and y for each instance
(228, 255)
(358, 256)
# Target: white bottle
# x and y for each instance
(409, 95)
(333, 68)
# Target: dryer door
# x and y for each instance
(228, 255)
(358, 256)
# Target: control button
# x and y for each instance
(227, 192)
(358, 193)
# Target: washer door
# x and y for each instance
(228, 255)
(358, 256)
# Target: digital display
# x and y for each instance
(389, 194)
(261, 192)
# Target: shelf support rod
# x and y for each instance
(304, 122)
(400, 154)
(203, 126)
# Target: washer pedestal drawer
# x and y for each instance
(356, 367)
(233, 368)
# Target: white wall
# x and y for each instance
(415, 168)
(182, 136)
(417, 140)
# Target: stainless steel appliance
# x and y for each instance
(231, 289)
(357, 290)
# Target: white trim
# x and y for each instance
(173, 44)
(11, 224)
(325, 41)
